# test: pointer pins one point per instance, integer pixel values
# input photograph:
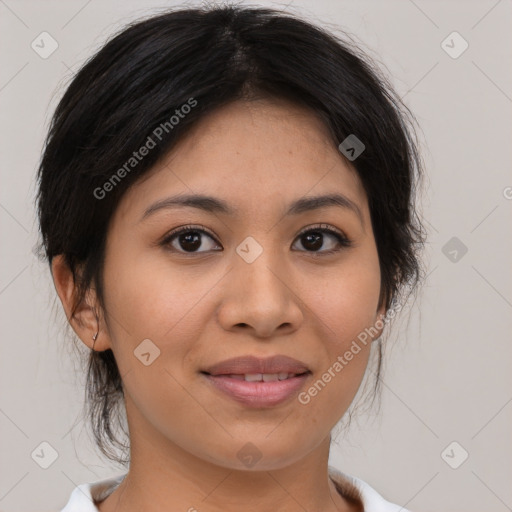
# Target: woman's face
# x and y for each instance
(248, 285)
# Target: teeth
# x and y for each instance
(265, 377)
(237, 377)
(253, 377)
(262, 377)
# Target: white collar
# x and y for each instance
(84, 496)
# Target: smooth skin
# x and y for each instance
(208, 305)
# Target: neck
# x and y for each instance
(163, 474)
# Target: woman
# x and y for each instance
(226, 204)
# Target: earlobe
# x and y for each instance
(84, 319)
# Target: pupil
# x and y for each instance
(190, 241)
(315, 240)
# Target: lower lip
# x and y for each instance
(258, 394)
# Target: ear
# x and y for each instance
(85, 321)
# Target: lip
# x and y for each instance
(252, 364)
(258, 394)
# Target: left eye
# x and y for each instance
(313, 240)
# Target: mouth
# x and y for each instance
(256, 382)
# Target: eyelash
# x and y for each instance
(342, 240)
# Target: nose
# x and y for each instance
(259, 298)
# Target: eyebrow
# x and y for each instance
(212, 204)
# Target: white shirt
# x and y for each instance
(81, 499)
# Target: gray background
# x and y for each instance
(447, 372)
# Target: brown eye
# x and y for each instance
(190, 240)
(314, 239)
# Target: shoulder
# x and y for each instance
(362, 493)
(85, 496)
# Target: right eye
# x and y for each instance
(188, 240)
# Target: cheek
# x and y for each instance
(154, 298)
(148, 300)
(345, 300)
(344, 306)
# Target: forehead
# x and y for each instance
(256, 155)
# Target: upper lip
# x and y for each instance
(252, 364)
